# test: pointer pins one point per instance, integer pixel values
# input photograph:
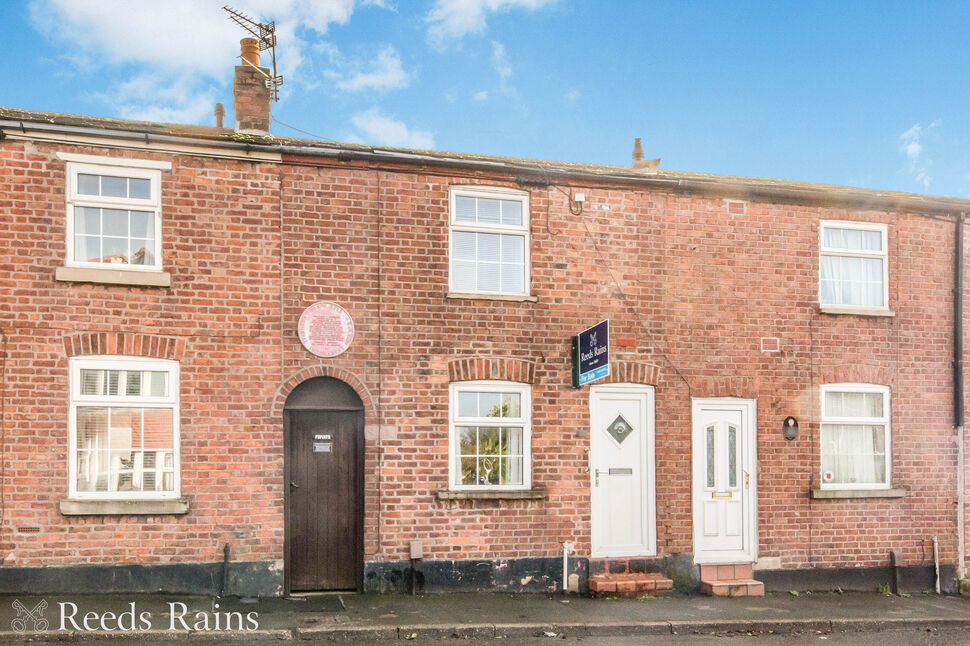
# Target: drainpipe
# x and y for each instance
(567, 547)
(958, 392)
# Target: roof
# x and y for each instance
(727, 185)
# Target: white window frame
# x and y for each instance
(884, 420)
(524, 230)
(525, 422)
(855, 253)
(117, 167)
(170, 401)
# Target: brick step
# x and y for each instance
(733, 588)
(726, 572)
(629, 585)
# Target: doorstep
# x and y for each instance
(730, 580)
(629, 585)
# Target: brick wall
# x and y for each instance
(714, 298)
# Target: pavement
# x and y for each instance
(370, 618)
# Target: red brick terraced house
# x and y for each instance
(297, 365)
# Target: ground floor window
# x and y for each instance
(490, 435)
(855, 436)
(124, 428)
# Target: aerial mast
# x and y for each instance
(265, 33)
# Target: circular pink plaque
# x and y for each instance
(326, 329)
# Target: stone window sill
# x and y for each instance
(856, 311)
(515, 298)
(113, 276)
(830, 494)
(527, 494)
(174, 507)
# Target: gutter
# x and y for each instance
(709, 187)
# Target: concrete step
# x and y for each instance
(726, 571)
(733, 588)
(629, 585)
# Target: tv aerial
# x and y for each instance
(265, 34)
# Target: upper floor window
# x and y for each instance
(124, 428)
(489, 240)
(490, 435)
(853, 265)
(114, 213)
(855, 436)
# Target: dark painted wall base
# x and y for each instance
(540, 574)
(265, 578)
(912, 578)
(247, 579)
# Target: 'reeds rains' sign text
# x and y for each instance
(591, 354)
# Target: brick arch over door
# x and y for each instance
(124, 343)
(294, 380)
(631, 372)
(491, 369)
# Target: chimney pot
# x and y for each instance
(250, 51)
(220, 113)
(637, 150)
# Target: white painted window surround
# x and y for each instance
(490, 436)
(489, 241)
(855, 436)
(124, 429)
(113, 212)
(853, 266)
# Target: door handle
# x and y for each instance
(597, 477)
(747, 479)
(293, 485)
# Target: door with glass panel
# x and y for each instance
(621, 464)
(724, 483)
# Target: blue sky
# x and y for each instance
(871, 94)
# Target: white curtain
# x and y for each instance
(854, 453)
(852, 281)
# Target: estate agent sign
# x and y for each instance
(591, 354)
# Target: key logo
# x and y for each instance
(35, 616)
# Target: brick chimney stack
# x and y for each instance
(250, 96)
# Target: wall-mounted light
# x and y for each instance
(790, 428)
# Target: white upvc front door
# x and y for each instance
(725, 480)
(621, 462)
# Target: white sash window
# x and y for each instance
(114, 213)
(855, 436)
(853, 265)
(124, 440)
(491, 435)
(489, 241)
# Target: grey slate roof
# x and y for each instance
(703, 182)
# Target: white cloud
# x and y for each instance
(500, 61)
(378, 128)
(449, 19)
(572, 96)
(481, 96)
(385, 72)
(911, 145)
(190, 42)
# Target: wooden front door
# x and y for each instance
(324, 499)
